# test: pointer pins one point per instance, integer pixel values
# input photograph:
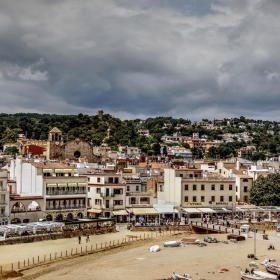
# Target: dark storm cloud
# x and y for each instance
(141, 58)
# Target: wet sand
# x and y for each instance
(134, 261)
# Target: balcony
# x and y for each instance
(3, 202)
(65, 192)
(2, 189)
(66, 207)
(107, 194)
(3, 215)
(18, 210)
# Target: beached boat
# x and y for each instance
(245, 276)
(171, 244)
(176, 276)
(272, 268)
(265, 274)
(155, 248)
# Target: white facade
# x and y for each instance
(4, 198)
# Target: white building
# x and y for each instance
(4, 198)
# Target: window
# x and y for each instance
(236, 189)
(110, 179)
(191, 175)
(47, 174)
(220, 171)
(181, 175)
(245, 198)
(137, 188)
(245, 189)
(98, 180)
(127, 188)
(117, 202)
(98, 190)
(245, 180)
(230, 198)
(195, 175)
(186, 198)
(202, 199)
(88, 189)
(186, 187)
(230, 187)
(132, 200)
(97, 201)
(118, 191)
(202, 187)
(213, 198)
(212, 187)
(194, 199)
(221, 187)
(194, 187)
(221, 199)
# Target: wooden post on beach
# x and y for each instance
(38, 259)
(71, 252)
(125, 240)
(91, 247)
(44, 258)
(76, 251)
(33, 260)
(66, 253)
(12, 266)
(81, 249)
(140, 236)
(1, 269)
(28, 262)
(50, 257)
(101, 246)
(61, 254)
(113, 242)
(23, 264)
(95, 246)
(18, 265)
(86, 248)
(105, 244)
(144, 235)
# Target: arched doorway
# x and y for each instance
(18, 207)
(80, 215)
(69, 217)
(16, 221)
(34, 206)
(59, 217)
(49, 218)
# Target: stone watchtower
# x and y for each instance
(54, 144)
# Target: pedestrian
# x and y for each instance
(87, 240)
(80, 239)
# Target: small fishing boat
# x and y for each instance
(265, 274)
(247, 276)
(272, 268)
(176, 276)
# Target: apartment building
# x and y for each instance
(106, 195)
(190, 188)
(4, 198)
(46, 190)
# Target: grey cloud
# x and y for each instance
(143, 58)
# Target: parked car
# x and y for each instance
(210, 239)
(171, 244)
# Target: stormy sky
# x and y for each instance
(136, 59)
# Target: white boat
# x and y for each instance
(155, 248)
(171, 244)
(181, 277)
(272, 268)
(245, 276)
(265, 274)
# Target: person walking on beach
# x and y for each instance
(79, 239)
(87, 239)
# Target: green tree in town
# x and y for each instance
(265, 190)
(11, 151)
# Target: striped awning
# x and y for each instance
(47, 170)
(94, 210)
(72, 184)
(120, 212)
(62, 185)
(59, 171)
(51, 185)
(145, 211)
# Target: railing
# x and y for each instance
(65, 192)
(3, 215)
(3, 189)
(216, 227)
(65, 207)
(2, 202)
(16, 210)
(107, 195)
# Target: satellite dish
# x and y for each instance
(56, 143)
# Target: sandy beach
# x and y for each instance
(134, 261)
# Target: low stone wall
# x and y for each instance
(53, 236)
(162, 228)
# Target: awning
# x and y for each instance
(94, 210)
(47, 170)
(62, 185)
(82, 184)
(72, 184)
(51, 185)
(191, 210)
(59, 171)
(68, 170)
(222, 210)
(206, 210)
(165, 209)
(145, 211)
(120, 212)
